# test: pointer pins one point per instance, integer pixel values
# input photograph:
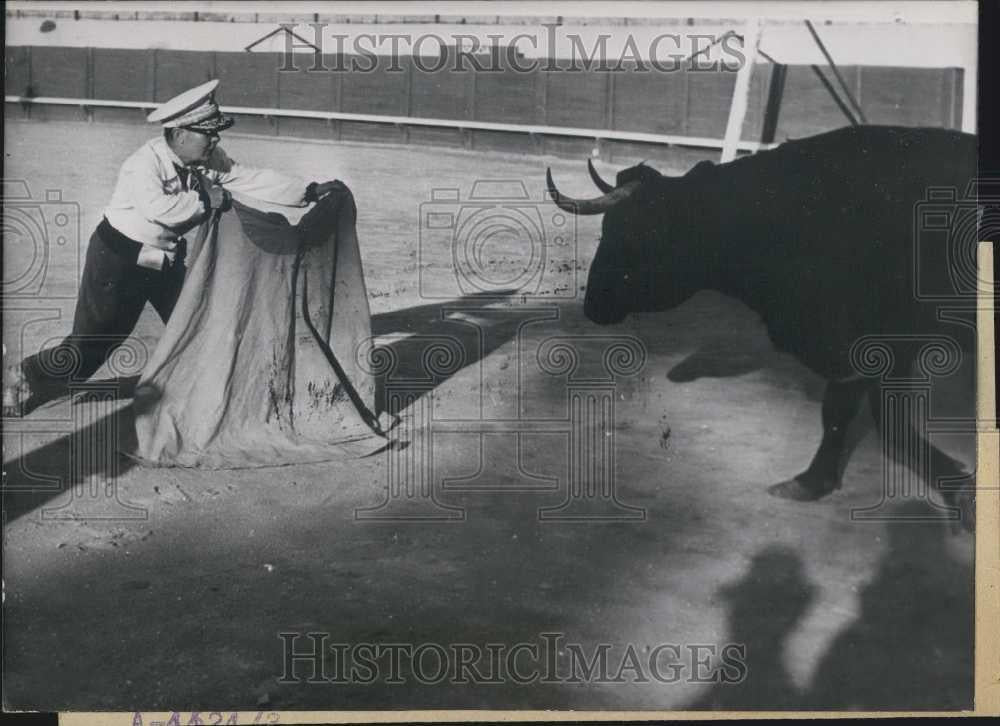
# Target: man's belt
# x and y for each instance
(139, 254)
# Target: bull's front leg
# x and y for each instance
(841, 402)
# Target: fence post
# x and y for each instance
(775, 91)
(970, 92)
(741, 93)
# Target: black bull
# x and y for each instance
(818, 237)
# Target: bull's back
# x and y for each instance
(828, 241)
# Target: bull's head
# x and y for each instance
(645, 261)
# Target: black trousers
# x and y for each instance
(113, 292)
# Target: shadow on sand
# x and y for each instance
(715, 360)
(92, 450)
(910, 647)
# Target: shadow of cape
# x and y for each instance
(34, 478)
(428, 344)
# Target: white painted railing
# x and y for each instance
(460, 124)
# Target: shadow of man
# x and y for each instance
(911, 646)
(764, 607)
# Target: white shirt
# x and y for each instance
(151, 205)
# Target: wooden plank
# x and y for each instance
(647, 101)
(120, 73)
(957, 101)
(425, 136)
(807, 108)
(753, 125)
(541, 107)
(151, 75)
(609, 100)
(17, 67)
(905, 96)
(505, 96)
(380, 91)
(668, 159)
(709, 101)
(471, 94)
(337, 87)
(738, 110)
(569, 146)
(970, 93)
(304, 89)
(542, 83)
(306, 128)
(442, 93)
(59, 71)
(504, 141)
(407, 71)
(576, 99)
(179, 70)
(370, 132)
(249, 79)
(685, 113)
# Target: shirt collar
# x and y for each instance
(166, 154)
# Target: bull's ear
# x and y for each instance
(702, 167)
(643, 173)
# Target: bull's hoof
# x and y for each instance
(796, 491)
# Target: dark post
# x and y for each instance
(775, 91)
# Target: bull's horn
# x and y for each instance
(590, 206)
(601, 184)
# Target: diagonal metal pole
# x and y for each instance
(833, 93)
(836, 72)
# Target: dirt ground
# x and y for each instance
(177, 602)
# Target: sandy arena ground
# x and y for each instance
(181, 608)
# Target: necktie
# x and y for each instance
(189, 178)
(182, 174)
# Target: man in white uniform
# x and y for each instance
(136, 255)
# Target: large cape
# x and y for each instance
(259, 365)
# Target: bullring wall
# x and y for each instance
(688, 103)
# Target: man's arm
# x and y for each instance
(264, 184)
